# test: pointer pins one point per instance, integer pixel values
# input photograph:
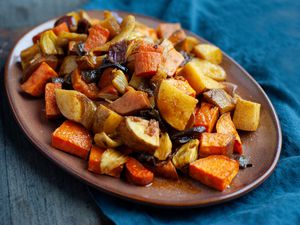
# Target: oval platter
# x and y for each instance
(264, 152)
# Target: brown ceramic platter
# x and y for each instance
(263, 146)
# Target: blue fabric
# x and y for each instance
(264, 37)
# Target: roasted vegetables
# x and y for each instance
(220, 98)
(140, 101)
(209, 52)
(175, 106)
(216, 171)
(140, 134)
(106, 120)
(76, 106)
(35, 85)
(216, 144)
(52, 110)
(186, 154)
(73, 138)
(226, 126)
(137, 173)
(246, 115)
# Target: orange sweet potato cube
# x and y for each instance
(35, 85)
(216, 144)
(94, 159)
(97, 37)
(207, 116)
(216, 171)
(61, 27)
(177, 37)
(146, 63)
(226, 126)
(72, 138)
(52, 110)
(171, 62)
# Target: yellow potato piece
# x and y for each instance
(189, 43)
(175, 106)
(246, 115)
(209, 52)
(199, 76)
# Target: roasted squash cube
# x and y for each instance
(72, 138)
(52, 110)
(209, 52)
(35, 85)
(206, 116)
(216, 171)
(216, 144)
(94, 159)
(246, 115)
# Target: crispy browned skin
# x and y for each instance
(216, 171)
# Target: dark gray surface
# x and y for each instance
(32, 189)
(20, 13)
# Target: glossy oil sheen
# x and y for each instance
(263, 146)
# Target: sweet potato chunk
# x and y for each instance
(171, 62)
(146, 63)
(207, 116)
(35, 85)
(73, 138)
(165, 30)
(216, 144)
(61, 27)
(90, 90)
(97, 37)
(216, 171)
(94, 159)
(131, 102)
(226, 126)
(166, 170)
(137, 173)
(52, 110)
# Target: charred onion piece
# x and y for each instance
(185, 136)
(83, 26)
(117, 52)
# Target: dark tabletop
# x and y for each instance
(32, 189)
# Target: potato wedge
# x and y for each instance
(226, 126)
(106, 120)
(216, 171)
(189, 43)
(219, 98)
(216, 144)
(246, 115)
(76, 106)
(198, 77)
(181, 84)
(165, 147)
(209, 52)
(112, 162)
(186, 154)
(140, 134)
(175, 106)
(104, 141)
